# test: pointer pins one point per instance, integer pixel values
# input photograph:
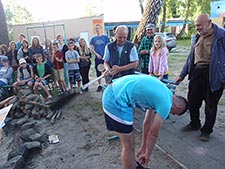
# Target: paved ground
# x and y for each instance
(187, 150)
(185, 147)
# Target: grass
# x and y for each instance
(185, 42)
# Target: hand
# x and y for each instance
(115, 69)
(143, 52)
(37, 79)
(143, 159)
(140, 152)
(178, 80)
(98, 56)
(160, 77)
(107, 73)
(53, 51)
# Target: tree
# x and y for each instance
(150, 15)
(16, 14)
(4, 38)
(163, 16)
(185, 20)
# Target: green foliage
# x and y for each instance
(177, 8)
(186, 42)
(15, 14)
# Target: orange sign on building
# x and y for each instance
(97, 22)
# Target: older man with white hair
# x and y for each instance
(120, 56)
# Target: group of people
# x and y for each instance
(34, 66)
(204, 65)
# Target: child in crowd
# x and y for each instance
(25, 75)
(158, 62)
(42, 73)
(36, 48)
(23, 52)
(3, 49)
(6, 72)
(85, 62)
(12, 55)
(72, 58)
(57, 61)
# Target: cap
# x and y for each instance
(150, 26)
(22, 60)
(4, 58)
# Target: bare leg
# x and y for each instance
(44, 88)
(36, 87)
(128, 150)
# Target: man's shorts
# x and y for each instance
(44, 82)
(30, 81)
(59, 74)
(112, 108)
(74, 75)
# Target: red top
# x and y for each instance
(56, 64)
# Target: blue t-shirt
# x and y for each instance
(72, 55)
(147, 91)
(99, 43)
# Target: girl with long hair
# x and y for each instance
(85, 62)
(158, 62)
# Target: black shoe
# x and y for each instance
(190, 128)
(204, 137)
(99, 89)
(139, 166)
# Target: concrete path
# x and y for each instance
(187, 149)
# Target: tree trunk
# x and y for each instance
(150, 15)
(185, 21)
(4, 38)
(164, 16)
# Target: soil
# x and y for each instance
(83, 142)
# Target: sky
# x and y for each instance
(113, 10)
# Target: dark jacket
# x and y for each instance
(10, 56)
(122, 60)
(217, 60)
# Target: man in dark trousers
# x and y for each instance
(205, 66)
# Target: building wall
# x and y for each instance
(71, 28)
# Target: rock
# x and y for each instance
(22, 150)
(25, 135)
(36, 115)
(19, 122)
(17, 162)
(18, 115)
(36, 137)
(28, 125)
(32, 145)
